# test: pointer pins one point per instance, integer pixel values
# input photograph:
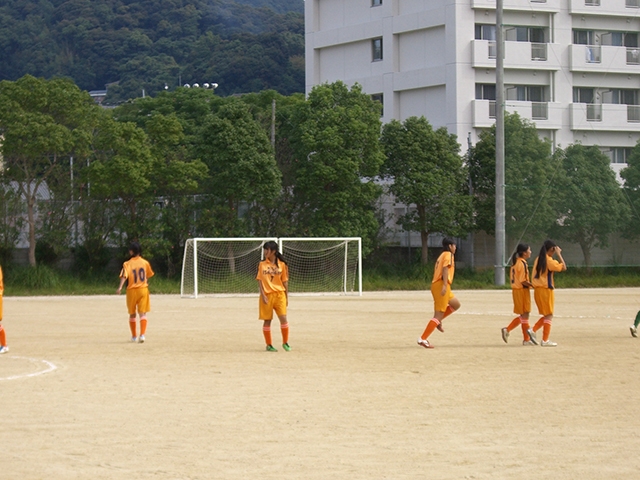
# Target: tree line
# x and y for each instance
(243, 46)
(188, 163)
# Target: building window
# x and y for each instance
(583, 95)
(618, 154)
(379, 97)
(376, 46)
(485, 91)
(376, 3)
(485, 32)
(526, 93)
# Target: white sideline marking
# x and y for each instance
(50, 368)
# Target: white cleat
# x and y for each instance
(548, 343)
(134, 339)
(424, 343)
(505, 335)
(532, 336)
(634, 331)
(4, 349)
(527, 342)
(141, 340)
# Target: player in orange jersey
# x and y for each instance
(543, 269)
(136, 272)
(273, 280)
(444, 301)
(3, 336)
(520, 285)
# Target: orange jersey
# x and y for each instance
(272, 276)
(444, 260)
(136, 271)
(519, 273)
(1, 284)
(546, 276)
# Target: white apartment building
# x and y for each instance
(571, 66)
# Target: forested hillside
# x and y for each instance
(243, 45)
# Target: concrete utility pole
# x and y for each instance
(500, 180)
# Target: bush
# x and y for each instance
(38, 277)
(45, 253)
(92, 256)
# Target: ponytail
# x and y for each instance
(541, 266)
(520, 250)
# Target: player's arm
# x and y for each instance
(286, 291)
(524, 272)
(122, 280)
(445, 280)
(558, 252)
(262, 294)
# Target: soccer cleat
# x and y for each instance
(287, 347)
(271, 349)
(141, 339)
(424, 343)
(527, 342)
(548, 343)
(4, 349)
(505, 335)
(532, 336)
(134, 339)
(440, 327)
(634, 331)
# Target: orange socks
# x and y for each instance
(538, 324)
(448, 312)
(514, 323)
(431, 326)
(3, 337)
(143, 325)
(132, 326)
(284, 328)
(525, 326)
(266, 331)
(546, 330)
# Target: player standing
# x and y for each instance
(136, 272)
(520, 285)
(3, 336)
(444, 301)
(543, 269)
(273, 280)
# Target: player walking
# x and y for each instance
(543, 269)
(136, 272)
(3, 336)
(520, 285)
(444, 301)
(273, 279)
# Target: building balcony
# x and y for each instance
(522, 55)
(623, 8)
(604, 59)
(546, 115)
(605, 117)
(526, 5)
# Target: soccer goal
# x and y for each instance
(219, 266)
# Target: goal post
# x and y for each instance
(228, 266)
(325, 265)
(221, 265)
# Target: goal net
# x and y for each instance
(215, 266)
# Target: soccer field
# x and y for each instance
(355, 399)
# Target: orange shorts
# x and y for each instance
(544, 300)
(521, 300)
(275, 301)
(440, 302)
(138, 297)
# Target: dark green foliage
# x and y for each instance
(146, 44)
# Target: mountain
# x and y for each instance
(243, 45)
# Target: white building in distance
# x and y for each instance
(571, 66)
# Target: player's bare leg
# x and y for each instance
(454, 304)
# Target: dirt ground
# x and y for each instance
(355, 399)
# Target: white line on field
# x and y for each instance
(50, 367)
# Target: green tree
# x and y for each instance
(42, 123)
(426, 169)
(242, 169)
(589, 201)
(529, 170)
(335, 141)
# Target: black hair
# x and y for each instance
(135, 248)
(542, 257)
(520, 250)
(446, 243)
(273, 246)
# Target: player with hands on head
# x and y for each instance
(444, 301)
(520, 285)
(273, 281)
(136, 271)
(543, 288)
